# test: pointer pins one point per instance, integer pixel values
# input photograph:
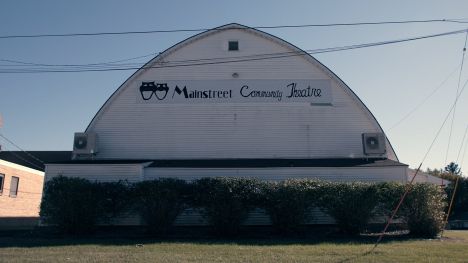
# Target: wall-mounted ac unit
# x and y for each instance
(85, 144)
(373, 143)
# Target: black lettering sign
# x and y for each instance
(239, 91)
(308, 92)
(177, 89)
(244, 92)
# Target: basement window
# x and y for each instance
(14, 186)
(2, 179)
(233, 45)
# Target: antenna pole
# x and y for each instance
(390, 219)
(450, 206)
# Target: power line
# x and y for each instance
(26, 63)
(462, 144)
(445, 120)
(201, 62)
(23, 159)
(456, 98)
(408, 186)
(458, 21)
(464, 153)
(414, 109)
(14, 144)
(313, 51)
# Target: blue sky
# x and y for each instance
(42, 111)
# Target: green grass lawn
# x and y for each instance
(452, 248)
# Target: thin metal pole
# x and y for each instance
(450, 206)
(389, 221)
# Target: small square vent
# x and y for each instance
(233, 45)
(373, 143)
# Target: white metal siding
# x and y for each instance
(128, 129)
(96, 172)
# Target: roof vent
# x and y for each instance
(233, 45)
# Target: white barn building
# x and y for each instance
(233, 101)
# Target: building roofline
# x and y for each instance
(243, 163)
(21, 167)
(229, 26)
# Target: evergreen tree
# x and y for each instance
(453, 168)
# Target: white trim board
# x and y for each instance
(21, 167)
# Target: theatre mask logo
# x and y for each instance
(147, 89)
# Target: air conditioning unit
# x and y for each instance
(85, 144)
(373, 143)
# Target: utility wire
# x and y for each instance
(464, 152)
(445, 120)
(458, 21)
(313, 51)
(14, 144)
(408, 186)
(415, 108)
(200, 62)
(456, 98)
(23, 159)
(25, 63)
(264, 55)
(462, 144)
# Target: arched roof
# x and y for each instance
(157, 61)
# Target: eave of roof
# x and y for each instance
(35, 159)
(247, 163)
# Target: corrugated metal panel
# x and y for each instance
(190, 217)
(193, 217)
(128, 129)
(98, 172)
(317, 216)
(124, 220)
(346, 174)
(257, 217)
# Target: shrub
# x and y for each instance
(288, 203)
(76, 205)
(350, 204)
(389, 194)
(225, 202)
(72, 204)
(159, 202)
(115, 198)
(424, 210)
